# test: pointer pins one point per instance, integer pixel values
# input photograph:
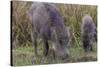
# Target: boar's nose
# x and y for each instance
(65, 56)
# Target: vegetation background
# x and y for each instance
(22, 48)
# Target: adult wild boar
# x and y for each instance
(87, 32)
(49, 25)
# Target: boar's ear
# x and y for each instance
(29, 14)
(30, 11)
(53, 34)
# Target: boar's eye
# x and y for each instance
(66, 37)
(60, 41)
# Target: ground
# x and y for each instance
(25, 56)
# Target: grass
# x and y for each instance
(25, 56)
(22, 56)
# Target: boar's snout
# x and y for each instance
(60, 51)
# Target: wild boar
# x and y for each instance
(49, 25)
(87, 32)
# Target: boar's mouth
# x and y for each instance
(59, 50)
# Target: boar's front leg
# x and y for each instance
(46, 47)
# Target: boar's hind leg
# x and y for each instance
(34, 41)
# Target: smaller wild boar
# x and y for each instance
(87, 32)
(49, 25)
